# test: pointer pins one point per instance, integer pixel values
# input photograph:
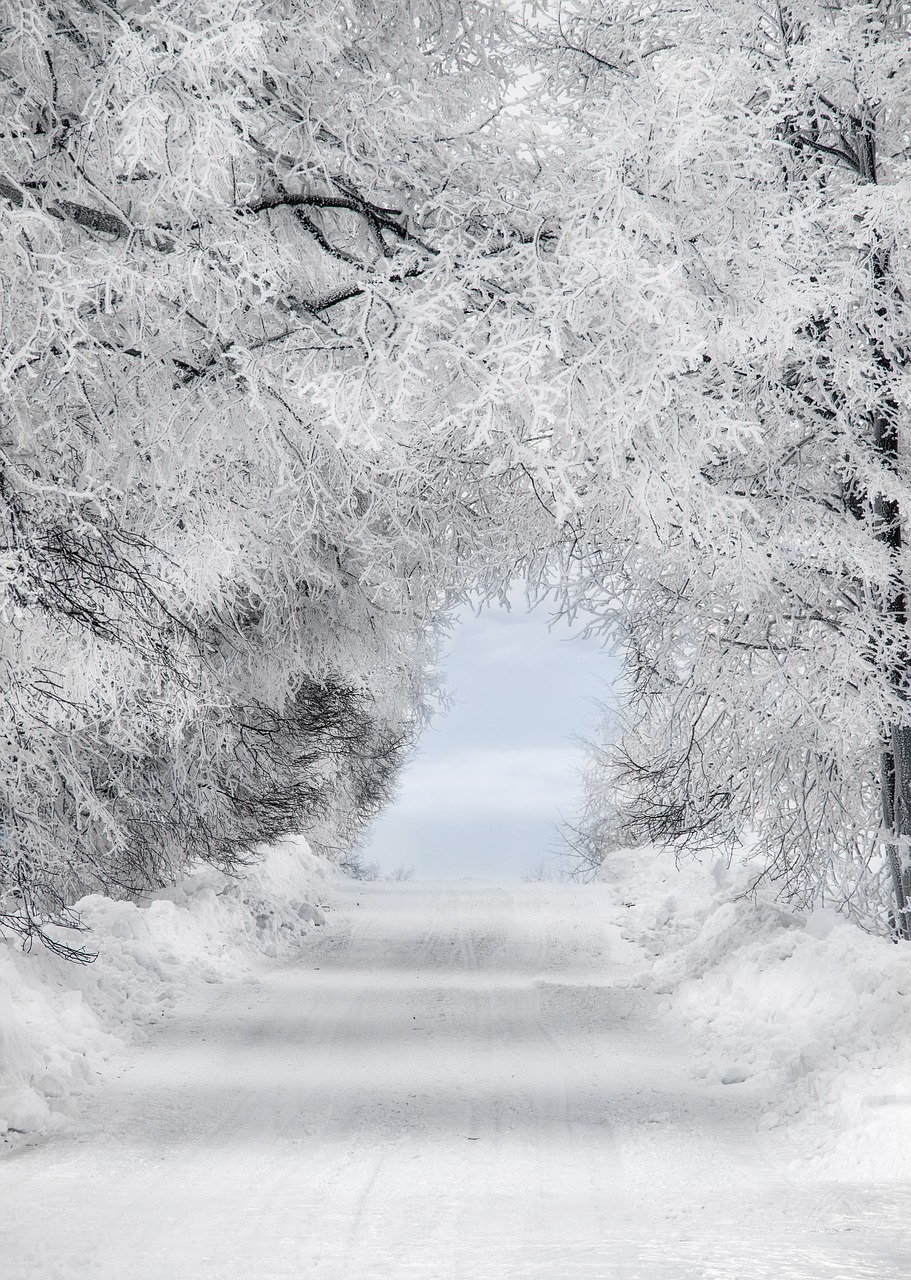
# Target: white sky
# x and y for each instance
(495, 774)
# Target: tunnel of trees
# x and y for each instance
(319, 316)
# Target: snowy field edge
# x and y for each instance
(62, 1024)
(802, 1011)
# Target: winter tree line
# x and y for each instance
(319, 315)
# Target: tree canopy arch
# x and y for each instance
(318, 316)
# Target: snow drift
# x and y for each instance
(61, 1023)
(803, 1011)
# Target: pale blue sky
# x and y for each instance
(495, 774)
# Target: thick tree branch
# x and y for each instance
(83, 215)
(380, 218)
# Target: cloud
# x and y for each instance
(472, 782)
(515, 640)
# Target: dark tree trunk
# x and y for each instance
(895, 772)
(897, 821)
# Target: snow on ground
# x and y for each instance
(462, 1081)
(62, 1024)
(802, 1012)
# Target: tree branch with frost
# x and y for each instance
(83, 215)
(380, 218)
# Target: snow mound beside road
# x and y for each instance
(60, 1023)
(803, 1011)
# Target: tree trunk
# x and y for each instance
(895, 789)
(895, 768)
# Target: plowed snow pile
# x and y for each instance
(802, 1011)
(60, 1023)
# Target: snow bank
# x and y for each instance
(803, 1012)
(60, 1023)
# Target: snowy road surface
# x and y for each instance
(454, 1082)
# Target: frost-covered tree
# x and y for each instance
(318, 313)
(217, 586)
(734, 351)
(681, 366)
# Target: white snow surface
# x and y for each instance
(805, 1012)
(62, 1023)
(461, 1081)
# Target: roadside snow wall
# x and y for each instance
(60, 1022)
(801, 1011)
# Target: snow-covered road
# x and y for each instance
(454, 1082)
